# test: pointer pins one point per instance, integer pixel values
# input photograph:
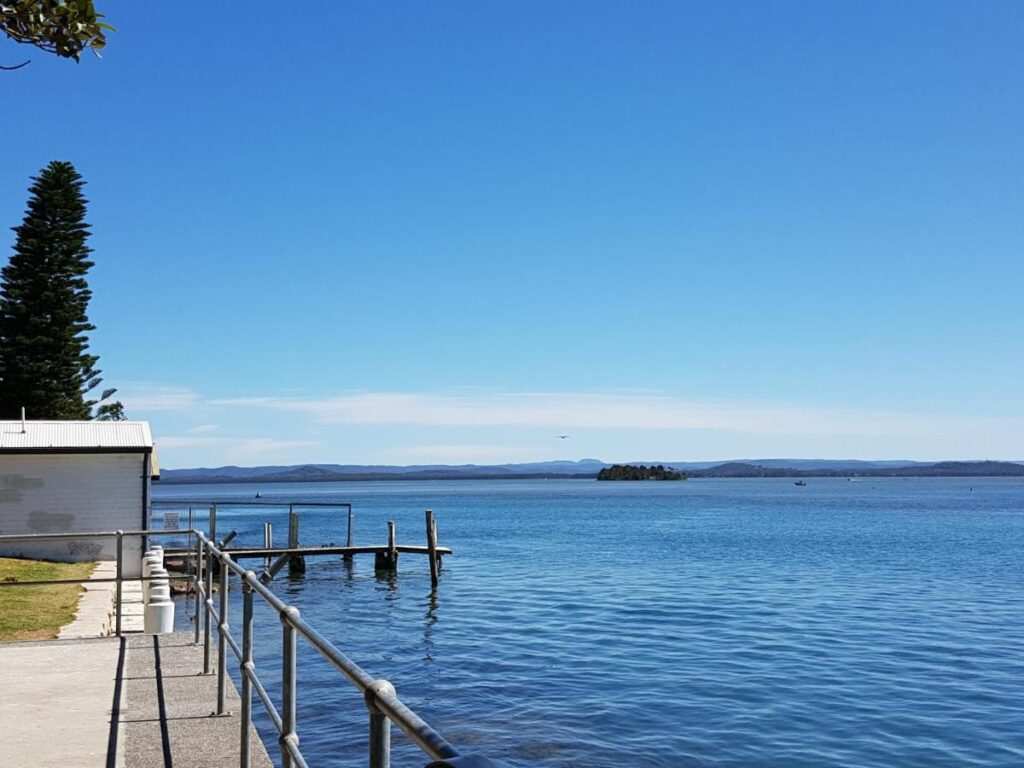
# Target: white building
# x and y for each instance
(73, 477)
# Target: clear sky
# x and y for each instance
(414, 232)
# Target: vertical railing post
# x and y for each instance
(120, 578)
(191, 537)
(208, 603)
(198, 586)
(222, 633)
(380, 725)
(288, 686)
(248, 669)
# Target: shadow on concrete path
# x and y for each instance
(169, 720)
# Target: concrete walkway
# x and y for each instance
(60, 704)
(169, 719)
(96, 615)
(107, 702)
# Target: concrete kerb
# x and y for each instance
(96, 615)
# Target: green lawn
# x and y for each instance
(37, 613)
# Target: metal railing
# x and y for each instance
(382, 703)
(119, 579)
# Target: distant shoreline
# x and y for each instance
(353, 477)
(729, 470)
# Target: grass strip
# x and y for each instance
(38, 613)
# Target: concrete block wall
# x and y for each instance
(65, 493)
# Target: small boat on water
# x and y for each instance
(800, 482)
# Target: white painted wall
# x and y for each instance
(64, 493)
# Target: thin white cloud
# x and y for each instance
(189, 441)
(237, 445)
(260, 446)
(465, 454)
(141, 396)
(203, 429)
(182, 450)
(632, 410)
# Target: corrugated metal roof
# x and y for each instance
(79, 435)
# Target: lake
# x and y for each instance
(877, 622)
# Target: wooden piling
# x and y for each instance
(268, 541)
(437, 554)
(432, 555)
(387, 560)
(296, 563)
(211, 530)
(350, 539)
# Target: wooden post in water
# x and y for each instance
(437, 555)
(392, 549)
(350, 539)
(268, 542)
(388, 559)
(296, 563)
(432, 548)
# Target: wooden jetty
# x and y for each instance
(293, 554)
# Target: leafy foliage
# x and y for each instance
(45, 366)
(63, 27)
(111, 411)
(632, 472)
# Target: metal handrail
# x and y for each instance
(379, 695)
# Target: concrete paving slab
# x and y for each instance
(140, 702)
(169, 716)
(60, 704)
(133, 612)
(96, 612)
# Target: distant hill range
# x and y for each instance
(588, 468)
(868, 469)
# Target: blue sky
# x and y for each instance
(447, 232)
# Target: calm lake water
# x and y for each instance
(704, 623)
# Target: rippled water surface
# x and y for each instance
(704, 623)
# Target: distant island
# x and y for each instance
(589, 469)
(641, 472)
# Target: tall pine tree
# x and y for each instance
(44, 363)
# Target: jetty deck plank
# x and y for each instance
(417, 549)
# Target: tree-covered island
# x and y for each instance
(632, 472)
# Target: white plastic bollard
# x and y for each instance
(159, 593)
(149, 564)
(157, 576)
(159, 617)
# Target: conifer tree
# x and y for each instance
(45, 366)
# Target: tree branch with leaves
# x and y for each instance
(65, 28)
